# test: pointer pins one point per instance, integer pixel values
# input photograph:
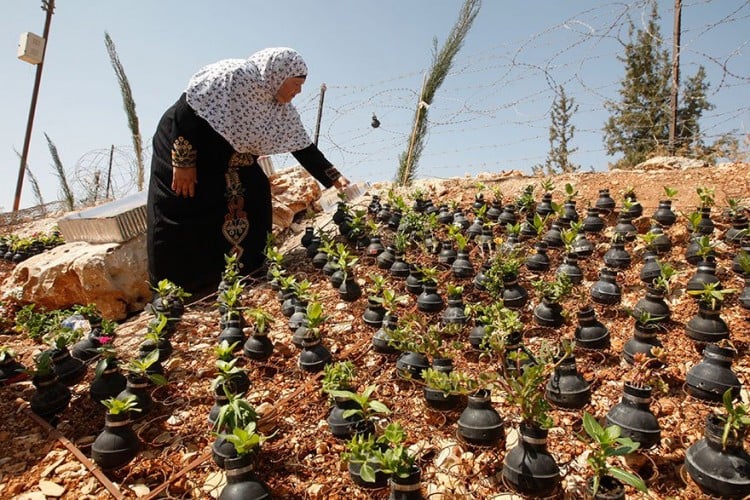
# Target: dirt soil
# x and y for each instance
(302, 460)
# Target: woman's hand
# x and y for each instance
(341, 182)
(184, 181)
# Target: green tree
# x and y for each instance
(639, 123)
(441, 64)
(560, 136)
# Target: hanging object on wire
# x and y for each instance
(375, 122)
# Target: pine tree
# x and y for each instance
(560, 136)
(639, 124)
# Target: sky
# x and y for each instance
(490, 115)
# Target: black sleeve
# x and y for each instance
(319, 167)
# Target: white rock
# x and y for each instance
(51, 489)
(214, 483)
(140, 490)
(33, 495)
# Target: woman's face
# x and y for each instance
(290, 88)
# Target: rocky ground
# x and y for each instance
(301, 460)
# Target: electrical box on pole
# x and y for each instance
(31, 48)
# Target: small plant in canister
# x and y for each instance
(364, 409)
(528, 467)
(117, 444)
(242, 482)
(718, 463)
(607, 480)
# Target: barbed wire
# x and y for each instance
(472, 113)
(471, 100)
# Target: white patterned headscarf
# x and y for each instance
(237, 97)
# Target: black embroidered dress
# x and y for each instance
(230, 213)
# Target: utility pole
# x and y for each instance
(320, 112)
(675, 75)
(49, 7)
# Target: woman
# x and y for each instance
(208, 197)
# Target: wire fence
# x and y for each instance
(475, 127)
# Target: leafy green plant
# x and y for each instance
(570, 192)
(169, 291)
(230, 299)
(524, 387)
(359, 449)
(454, 290)
(712, 294)
(743, 260)
(706, 196)
(736, 418)
(414, 335)
(452, 383)
(108, 356)
(120, 405)
(246, 439)
(140, 367)
(315, 319)
(42, 365)
(346, 261)
(396, 459)
(338, 376)
(261, 320)
(155, 329)
(669, 192)
(231, 272)
(225, 351)
(540, 223)
(225, 372)
(391, 300)
(554, 290)
(547, 185)
(461, 241)
(89, 311)
(61, 337)
(274, 257)
(237, 413)
(734, 207)
(379, 284)
(38, 323)
(400, 242)
(429, 275)
(667, 276)
(367, 407)
(605, 443)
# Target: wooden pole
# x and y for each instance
(49, 7)
(320, 112)
(109, 171)
(675, 75)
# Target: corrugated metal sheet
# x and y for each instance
(112, 222)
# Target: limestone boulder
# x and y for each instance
(111, 275)
(293, 190)
(671, 163)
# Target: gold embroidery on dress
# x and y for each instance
(236, 225)
(332, 173)
(183, 154)
(241, 160)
